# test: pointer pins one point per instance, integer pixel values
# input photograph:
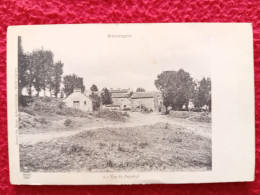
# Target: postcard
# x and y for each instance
(97, 104)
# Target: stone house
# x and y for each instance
(121, 98)
(150, 101)
(80, 101)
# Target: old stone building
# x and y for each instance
(121, 98)
(150, 101)
(80, 101)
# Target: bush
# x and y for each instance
(110, 115)
(68, 122)
(125, 114)
(27, 121)
(193, 116)
(27, 110)
(146, 110)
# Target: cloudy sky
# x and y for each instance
(132, 62)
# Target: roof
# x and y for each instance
(120, 95)
(119, 90)
(150, 94)
(92, 99)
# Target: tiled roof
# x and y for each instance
(151, 94)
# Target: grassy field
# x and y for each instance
(56, 138)
(158, 147)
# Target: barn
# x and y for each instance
(121, 98)
(80, 101)
(151, 101)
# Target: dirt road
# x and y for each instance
(136, 119)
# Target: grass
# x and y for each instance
(50, 106)
(42, 111)
(157, 147)
(193, 116)
(111, 115)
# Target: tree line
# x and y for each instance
(37, 70)
(179, 89)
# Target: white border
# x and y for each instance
(233, 127)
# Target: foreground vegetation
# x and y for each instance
(160, 147)
(44, 111)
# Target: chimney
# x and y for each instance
(77, 90)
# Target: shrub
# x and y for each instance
(26, 110)
(27, 121)
(68, 122)
(143, 144)
(125, 114)
(193, 116)
(110, 115)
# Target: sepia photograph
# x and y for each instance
(128, 112)
(130, 103)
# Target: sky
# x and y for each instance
(89, 52)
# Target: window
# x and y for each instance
(85, 103)
(76, 104)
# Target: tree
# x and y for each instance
(97, 100)
(139, 89)
(58, 71)
(22, 67)
(30, 77)
(202, 95)
(61, 95)
(42, 61)
(93, 88)
(177, 88)
(106, 97)
(72, 82)
(48, 72)
(36, 70)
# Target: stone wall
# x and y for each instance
(124, 103)
(149, 103)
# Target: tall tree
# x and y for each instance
(43, 64)
(177, 88)
(203, 94)
(72, 82)
(93, 88)
(48, 71)
(31, 71)
(22, 67)
(139, 89)
(38, 81)
(106, 97)
(58, 71)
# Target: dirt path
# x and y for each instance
(136, 119)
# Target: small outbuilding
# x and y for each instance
(80, 101)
